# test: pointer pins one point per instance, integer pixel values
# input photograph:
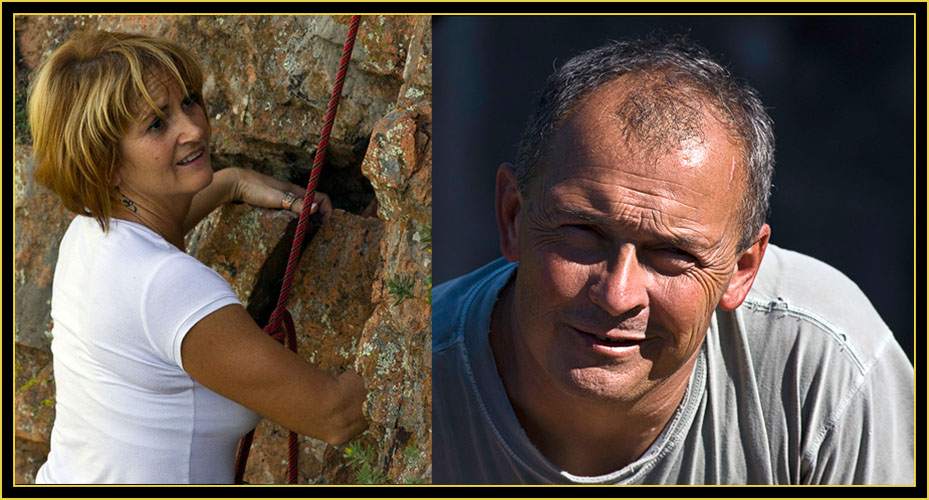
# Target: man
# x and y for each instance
(640, 329)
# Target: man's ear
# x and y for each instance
(508, 202)
(746, 270)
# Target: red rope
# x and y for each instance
(281, 318)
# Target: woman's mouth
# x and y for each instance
(192, 158)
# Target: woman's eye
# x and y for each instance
(188, 101)
(156, 125)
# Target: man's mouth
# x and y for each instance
(618, 342)
(612, 343)
(192, 158)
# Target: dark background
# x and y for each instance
(839, 88)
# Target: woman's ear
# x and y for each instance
(508, 202)
(746, 269)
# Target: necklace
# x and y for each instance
(130, 205)
(133, 211)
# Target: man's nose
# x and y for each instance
(619, 286)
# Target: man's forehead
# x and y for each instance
(685, 137)
(696, 183)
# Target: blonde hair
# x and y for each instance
(82, 100)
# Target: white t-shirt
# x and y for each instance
(126, 411)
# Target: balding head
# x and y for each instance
(674, 86)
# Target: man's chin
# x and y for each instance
(607, 384)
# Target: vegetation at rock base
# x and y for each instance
(400, 288)
(22, 121)
(363, 459)
(425, 231)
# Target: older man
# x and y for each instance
(640, 329)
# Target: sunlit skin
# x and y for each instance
(152, 174)
(170, 195)
(623, 257)
(166, 173)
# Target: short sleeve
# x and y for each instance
(180, 292)
(871, 441)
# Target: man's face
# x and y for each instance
(623, 254)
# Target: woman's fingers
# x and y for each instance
(321, 203)
(266, 191)
(263, 190)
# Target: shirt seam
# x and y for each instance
(687, 409)
(146, 290)
(460, 312)
(780, 306)
(461, 319)
(809, 456)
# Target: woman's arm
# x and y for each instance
(229, 354)
(239, 184)
(220, 191)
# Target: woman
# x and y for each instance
(159, 370)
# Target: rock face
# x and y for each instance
(361, 296)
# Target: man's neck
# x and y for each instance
(582, 436)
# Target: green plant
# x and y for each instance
(22, 120)
(400, 288)
(410, 454)
(426, 233)
(429, 289)
(362, 458)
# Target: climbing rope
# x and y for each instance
(281, 324)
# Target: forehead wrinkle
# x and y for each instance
(158, 88)
(663, 195)
(675, 234)
(147, 113)
(614, 171)
(666, 196)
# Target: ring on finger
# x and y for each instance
(288, 201)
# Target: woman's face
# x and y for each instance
(165, 159)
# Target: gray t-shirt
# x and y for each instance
(802, 384)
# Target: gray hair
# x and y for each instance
(678, 76)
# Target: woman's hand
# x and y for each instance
(239, 184)
(267, 192)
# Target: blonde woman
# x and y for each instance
(159, 370)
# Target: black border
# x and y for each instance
(9, 9)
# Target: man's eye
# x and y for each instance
(674, 252)
(582, 236)
(582, 229)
